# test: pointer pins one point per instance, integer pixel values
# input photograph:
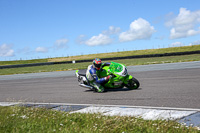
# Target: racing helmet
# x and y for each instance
(97, 63)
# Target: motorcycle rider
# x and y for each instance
(92, 74)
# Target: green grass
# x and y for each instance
(128, 62)
(2, 63)
(106, 55)
(39, 120)
(130, 53)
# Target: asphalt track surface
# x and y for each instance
(175, 85)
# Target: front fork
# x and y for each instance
(127, 79)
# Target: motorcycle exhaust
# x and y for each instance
(86, 86)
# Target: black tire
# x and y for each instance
(133, 84)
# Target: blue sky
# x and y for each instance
(32, 29)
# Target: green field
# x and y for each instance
(127, 62)
(2, 63)
(106, 55)
(16, 119)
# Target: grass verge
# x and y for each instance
(128, 62)
(106, 55)
(3, 63)
(15, 119)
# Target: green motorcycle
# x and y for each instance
(120, 77)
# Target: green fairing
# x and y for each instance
(115, 67)
(117, 81)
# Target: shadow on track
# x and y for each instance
(107, 90)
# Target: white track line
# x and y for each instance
(100, 105)
(145, 112)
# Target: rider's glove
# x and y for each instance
(108, 77)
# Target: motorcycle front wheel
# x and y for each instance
(133, 84)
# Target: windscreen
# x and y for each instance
(115, 67)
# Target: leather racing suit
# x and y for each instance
(92, 76)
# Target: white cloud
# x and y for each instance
(195, 43)
(139, 29)
(101, 39)
(61, 43)
(25, 50)
(81, 39)
(112, 30)
(184, 24)
(176, 44)
(41, 50)
(6, 50)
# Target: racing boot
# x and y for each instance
(97, 87)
